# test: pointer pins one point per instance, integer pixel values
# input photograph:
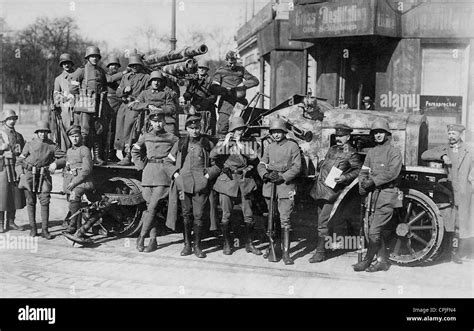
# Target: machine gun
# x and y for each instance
(298, 132)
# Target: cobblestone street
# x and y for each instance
(115, 269)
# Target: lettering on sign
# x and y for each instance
(343, 18)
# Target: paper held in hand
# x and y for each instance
(333, 174)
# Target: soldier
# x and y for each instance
(379, 174)
(113, 80)
(368, 104)
(190, 168)
(131, 85)
(158, 96)
(199, 95)
(458, 160)
(38, 160)
(11, 198)
(148, 154)
(280, 164)
(234, 183)
(91, 80)
(62, 83)
(230, 81)
(345, 158)
(77, 178)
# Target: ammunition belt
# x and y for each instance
(29, 167)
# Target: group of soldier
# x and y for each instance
(196, 171)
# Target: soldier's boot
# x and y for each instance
(65, 223)
(369, 256)
(32, 219)
(2, 222)
(11, 221)
(147, 222)
(97, 151)
(286, 246)
(153, 244)
(455, 248)
(44, 223)
(126, 161)
(188, 249)
(113, 156)
(81, 232)
(227, 249)
(320, 253)
(72, 225)
(249, 247)
(382, 263)
(197, 242)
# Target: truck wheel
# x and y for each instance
(123, 221)
(419, 230)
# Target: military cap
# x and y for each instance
(235, 123)
(367, 99)
(75, 129)
(343, 129)
(42, 126)
(156, 114)
(231, 55)
(456, 127)
(9, 113)
(193, 120)
(65, 57)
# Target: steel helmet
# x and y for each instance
(92, 50)
(42, 126)
(235, 123)
(156, 75)
(380, 124)
(204, 64)
(135, 59)
(8, 113)
(65, 57)
(231, 55)
(113, 60)
(278, 124)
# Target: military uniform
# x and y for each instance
(78, 171)
(61, 94)
(345, 158)
(236, 183)
(113, 81)
(11, 198)
(230, 78)
(155, 182)
(204, 102)
(190, 158)
(283, 159)
(379, 174)
(33, 167)
(163, 98)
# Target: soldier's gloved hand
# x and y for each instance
(278, 180)
(368, 184)
(273, 176)
(266, 178)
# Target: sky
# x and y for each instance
(117, 21)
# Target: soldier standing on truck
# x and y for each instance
(230, 81)
(280, 165)
(11, 197)
(158, 96)
(148, 154)
(38, 160)
(235, 182)
(61, 94)
(345, 158)
(460, 167)
(379, 175)
(113, 80)
(91, 80)
(131, 85)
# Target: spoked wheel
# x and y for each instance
(123, 221)
(419, 230)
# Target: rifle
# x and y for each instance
(271, 224)
(365, 207)
(58, 193)
(41, 180)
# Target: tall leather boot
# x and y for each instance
(72, 226)
(455, 248)
(371, 251)
(153, 244)
(249, 247)
(11, 221)
(320, 253)
(44, 223)
(227, 248)
(187, 250)
(2, 222)
(286, 246)
(81, 232)
(97, 151)
(146, 225)
(32, 218)
(126, 161)
(197, 242)
(382, 263)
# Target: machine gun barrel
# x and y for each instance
(181, 69)
(298, 132)
(186, 52)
